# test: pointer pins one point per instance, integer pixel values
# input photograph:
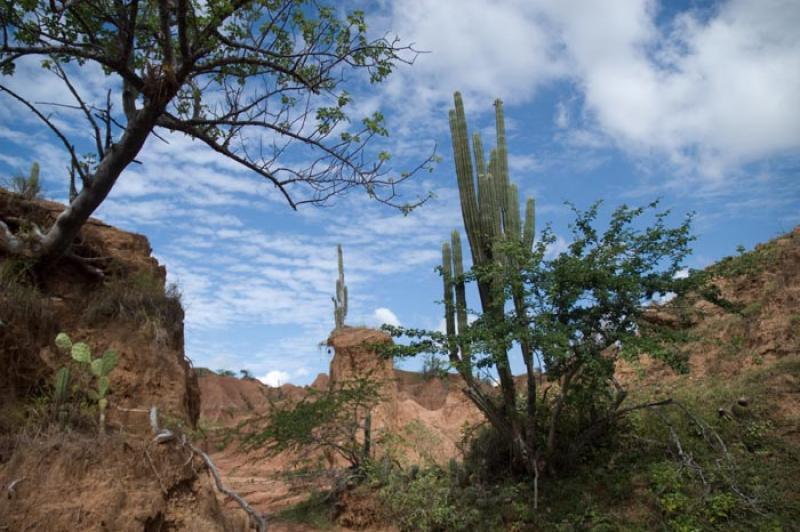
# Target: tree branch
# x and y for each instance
(55, 130)
(171, 122)
(97, 135)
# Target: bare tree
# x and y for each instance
(259, 82)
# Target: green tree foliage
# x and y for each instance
(337, 420)
(259, 82)
(570, 317)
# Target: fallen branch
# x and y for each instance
(258, 519)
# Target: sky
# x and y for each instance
(625, 101)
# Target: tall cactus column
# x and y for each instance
(491, 212)
(340, 301)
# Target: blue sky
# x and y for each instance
(625, 101)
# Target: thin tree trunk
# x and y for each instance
(60, 236)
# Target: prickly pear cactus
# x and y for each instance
(98, 367)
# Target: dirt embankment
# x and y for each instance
(58, 474)
(759, 330)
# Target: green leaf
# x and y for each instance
(102, 386)
(109, 362)
(63, 342)
(81, 353)
(102, 403)
(97, 367)
(93, 395)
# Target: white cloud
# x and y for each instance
(384, 315)
(709, 91)
(275, 378)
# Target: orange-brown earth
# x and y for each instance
(66, 479)
(764, 328)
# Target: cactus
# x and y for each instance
(99, 367)
(491, 212)
(492, 215)
(340, 301)
(61, 388)
(29, 186)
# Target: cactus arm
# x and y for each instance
(340, 301)
(461, 298)
(513, 226)
(529, 231)
(477, 147)
(33, 180)
(464, 175)
(490, 219)
(449, 310)
(502, 152)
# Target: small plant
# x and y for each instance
(99, 367)
(28, 186)
(61, 391)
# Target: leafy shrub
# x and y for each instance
(425, 501)
(488, 456)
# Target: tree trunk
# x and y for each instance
(60, 236)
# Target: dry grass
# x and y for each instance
(26, 324)
(140, 299)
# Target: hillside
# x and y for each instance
(57, 473)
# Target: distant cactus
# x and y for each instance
(28, 186)
(340, 301)
(99, 367)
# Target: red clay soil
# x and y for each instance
(67, 479)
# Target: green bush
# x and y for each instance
(425, 501)
(488, 456)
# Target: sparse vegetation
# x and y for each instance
(140, 299)
(745, 263)
(29, 187)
